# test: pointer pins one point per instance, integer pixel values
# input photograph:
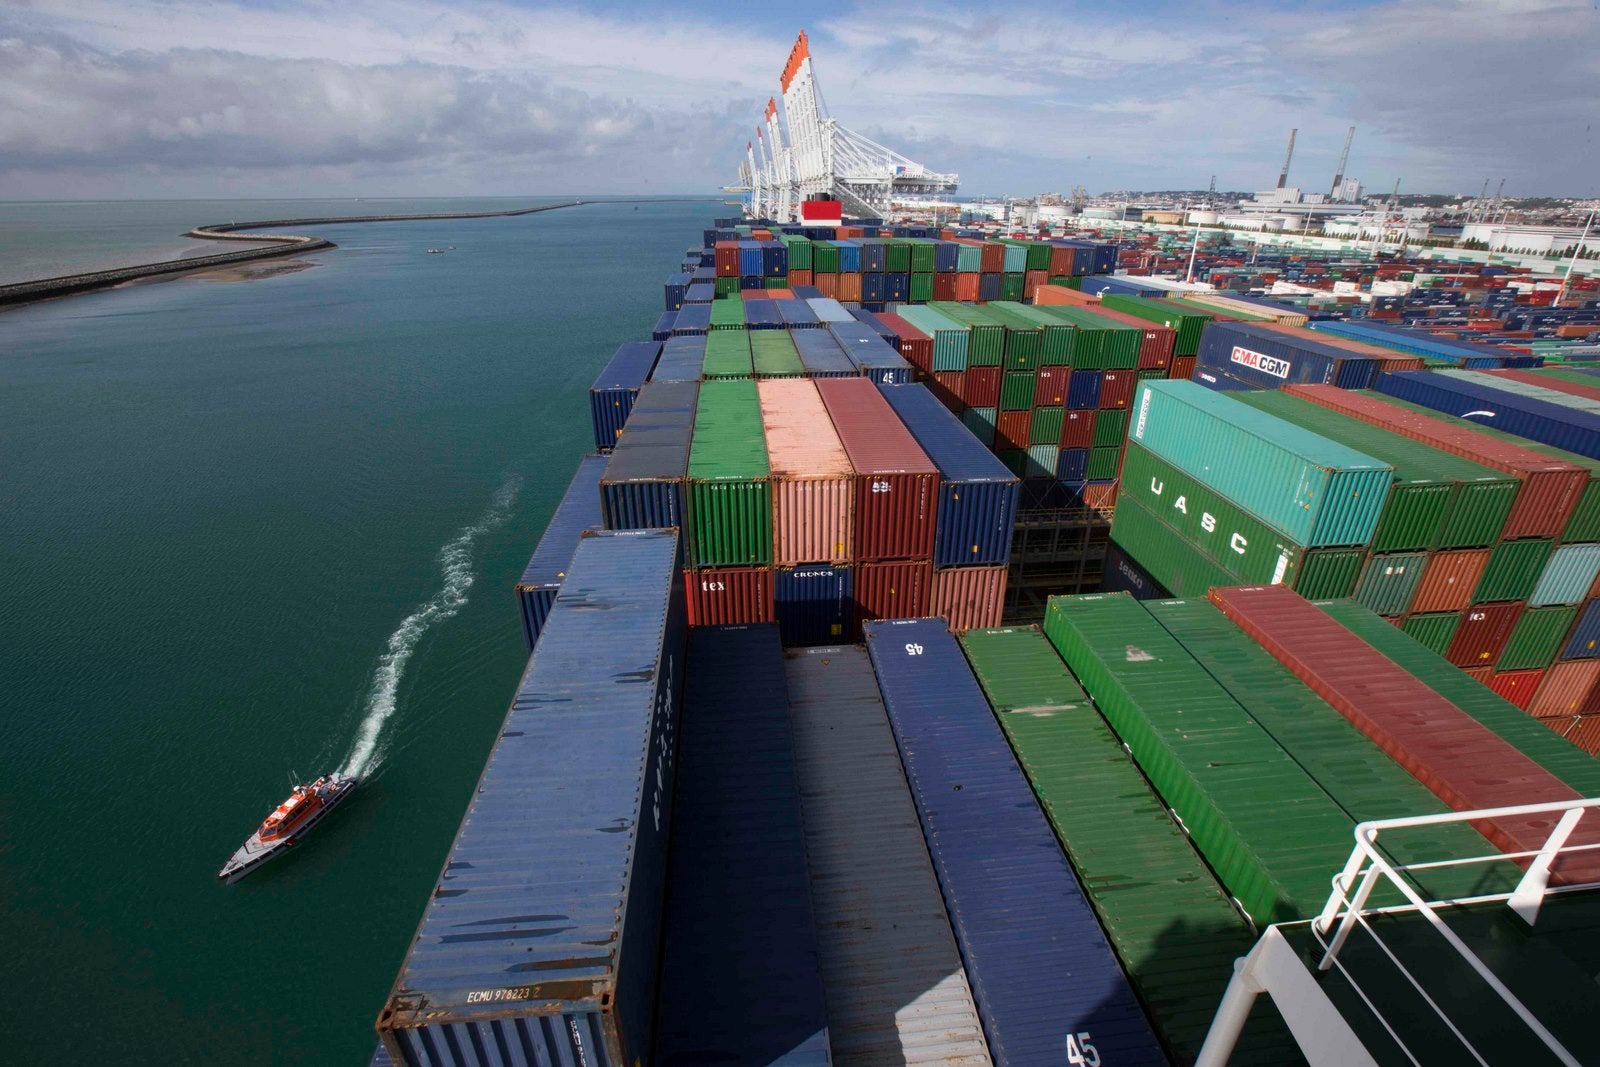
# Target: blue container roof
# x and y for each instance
(629, 367)
(693, 317)
(536, 883)
(654, 444)
(682, 359)
(578, 511)
(820, 353)
(865, 347)
(959, 456)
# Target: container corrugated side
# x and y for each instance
(728, 596)
(1567, 689)
(730, 491)
(979, 817)
(968, 597)
(950, 338)
(895, 986)
(1317, 491)
(1480, 401)
(1449, 579)
(1464, 763)
(977, 494)
(892, 590)
(897, 485)
(642, 487)
(1170, 559)
(617, 386)
(579, 510)
(1550, 491)
(739, 983)
(599, 700)
(1111, 822)
(813, 484)
(1536, 638)
(1567, 576)
(815, 604)
(1268, 834)
(1584, 641)
(1266, 359)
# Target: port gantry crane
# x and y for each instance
(807, 155)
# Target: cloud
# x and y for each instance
(319, 97)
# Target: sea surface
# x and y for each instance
(244, 526)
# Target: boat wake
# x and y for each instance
(455, 565)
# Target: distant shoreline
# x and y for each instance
(275, 245)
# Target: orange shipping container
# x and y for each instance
(1449, 579)
(813, 484)
(1583, 731)
(968, 598)
(827, 284)
(1568, 689)
(850, 288)
(799, 277)
(892, 590)
(967, 287)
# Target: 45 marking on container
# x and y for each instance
(1081, 1050)
(913, 649)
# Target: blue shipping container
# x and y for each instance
(875, 324)
(872, 289)
(1537, 420)
(797, 314)
(828, 309)
(870, 352)
(821, 355)
(674, 290)
(540, 943)
(642, 487)
(692, 319)
(663, 327)
(579, 510)
(762, 314)
(612, 395)
(1045, 980)
(1267, 359)
(1083, 390)
(814, 605)
(739, 978)
(682, 360)
(977, 493)
(1584, 642)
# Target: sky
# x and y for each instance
(282, 98)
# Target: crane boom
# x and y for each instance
(1283, 176)
(1344, 158)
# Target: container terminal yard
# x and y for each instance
(1076, 643)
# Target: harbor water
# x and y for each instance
(262, 527)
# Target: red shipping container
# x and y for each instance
(826, 284)
(944, 287)
(969, 598)
(1077, 429)
(1477, 674)
(728, 596)
(1583, 731)
(1483, 633)
(915, 346)
(892, 590)
(1448, 580)
(1050, 386)
(1116, 388)
(983, 387)
(1550, 489)
(1100, 497)
(725, 257)
(1062, 258)
(967, 287)
(1032, 280)
(1012, 429)
(1463, 762)
(1568, 689)
(799, 277)
(850, 288)
(897, 486)
(948, 385)
(993, 259)
(1588, 392)
(1182, 368)
(1517, 686)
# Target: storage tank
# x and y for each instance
(1204, 218)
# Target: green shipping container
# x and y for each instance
(1180, 568)
(776, 283)
(799, 251)
(1250, 551)
(950, 338)
(727, 313)
(1042, 461)
(1437, 500)
(1356, 775)
(1117, 343)
(1045, 427)
(1513, 570)
(899, 256)
(1188, 325)
(1103, 463)
(1528, 735)
(773, 355)
(1012, 287)
(1320, 493)
(921, 288)
(1389, 582)
(921, 255)
(1172, 925)
(1021, 346)
(824, 257)
(1266, 828)
(1536, 638)
(1434, 629)
(1016, 390)
(730, 506)
(981, 421)
(727, 355)
(986, 340)
(1327, 573)
(1057, 339)
(1110, 427)
(727, 287)
(1584, 522)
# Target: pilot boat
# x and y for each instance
(289, 822)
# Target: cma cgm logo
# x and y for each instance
(1278, 368)
(1208, 522)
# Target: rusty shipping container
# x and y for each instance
(897, 485)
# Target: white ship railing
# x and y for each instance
(1366, 869)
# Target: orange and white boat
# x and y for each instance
(304, 808)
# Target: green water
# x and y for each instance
(219, 506)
